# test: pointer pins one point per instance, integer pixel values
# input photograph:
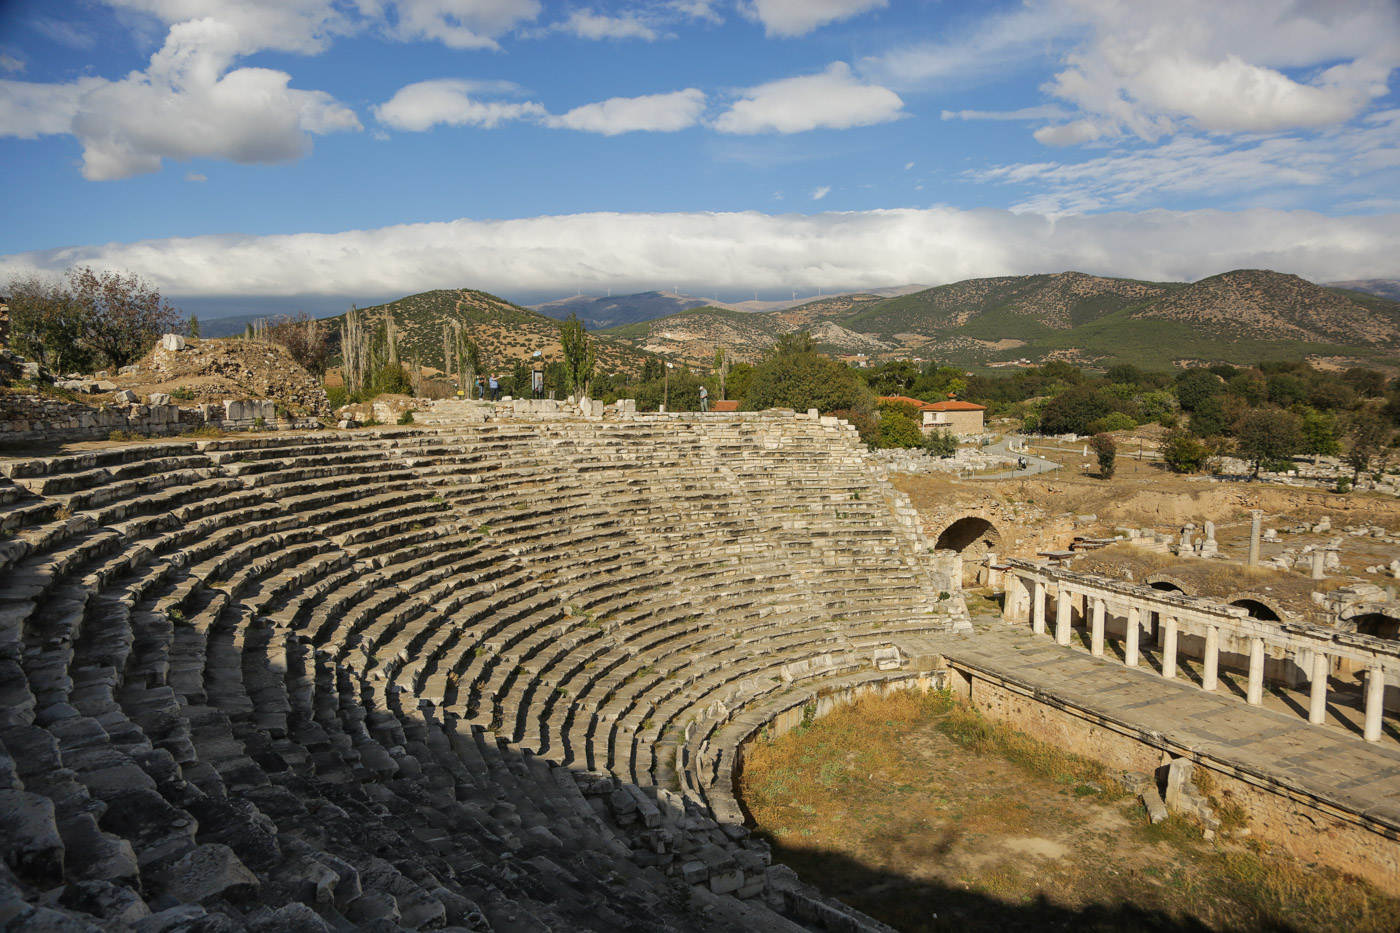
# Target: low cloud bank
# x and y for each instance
(744, 252)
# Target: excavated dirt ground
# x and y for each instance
(927, 833)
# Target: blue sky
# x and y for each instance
(312, 152)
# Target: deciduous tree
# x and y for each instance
(123, 314)
(1106, 449)
(1370, 439)
(579, 356)
(794, 375)
(1266, 434)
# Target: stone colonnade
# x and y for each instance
(1297, 652)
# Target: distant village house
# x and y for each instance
(951, 415)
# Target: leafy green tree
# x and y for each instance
(794, 375)
(1267, 434)
(1330, 394)
(579, 355)
(192, 329)
(1370, 439)
(1153, 406)
(1209, 419)
(391, 379)
(1285, 389)
(740, 378)
(46, 324)
(1183, 453)
(1105, 448)
(896, 377)
(1194, 386)
(1248, 385)
(1366, 383)
(941, 444)
(1318, 435)
(899, 425)
(1072, 411)
(1113, 421)
(88, 318)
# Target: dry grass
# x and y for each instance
(921, 812)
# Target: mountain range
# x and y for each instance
(1242, 316)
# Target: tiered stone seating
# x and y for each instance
(458, 676)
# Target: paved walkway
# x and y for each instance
(1034, 464)
(1330, 761)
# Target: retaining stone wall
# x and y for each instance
(1305, 827)
(35, 420)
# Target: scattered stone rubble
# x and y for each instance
(1172, 790)
(967, 459)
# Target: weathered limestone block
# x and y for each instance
(293, 918)
(1178, 778)
(126, 397)
(208, 872)
(173, 342)
(886, 658)
(1156, 809)
(104, 900)
(33, 847)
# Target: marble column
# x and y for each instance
(1256, 519)
(1255, 694)
(1211, 662)
(1130, 650)
(1375, 703)
(1038, 607)
(1096, 636)
(1169, 647)
(1062, 609)
(1317, 689)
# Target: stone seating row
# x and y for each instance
(219, 677)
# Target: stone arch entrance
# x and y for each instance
(1257, 609)
(1169, 584)
(1376, 624)
(972, 536)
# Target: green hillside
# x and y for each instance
(504, 331)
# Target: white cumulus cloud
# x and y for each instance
(819, 193)
(798, 17)
(587, 24)
(421, 106)
(744, 251)
(832, 99)
(457, 24)
(1223, 68)
(659, 113)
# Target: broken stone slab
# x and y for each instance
(158, 398)
(208, 872)
(173, 342)
(126, 397)
(1179, 774)
(1156, 809)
